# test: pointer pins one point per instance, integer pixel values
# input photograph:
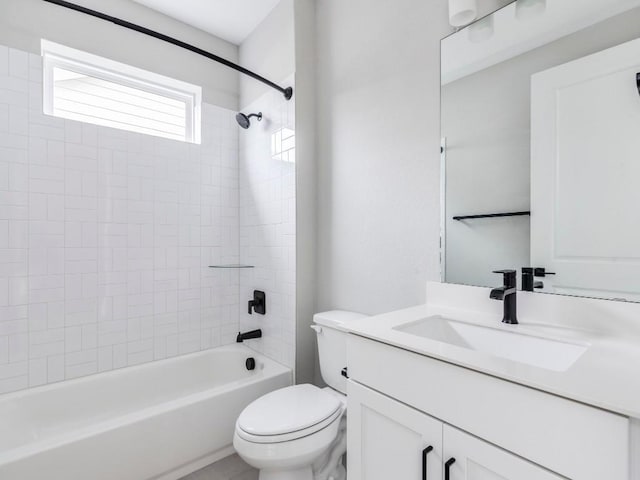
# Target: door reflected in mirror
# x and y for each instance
(541, 147)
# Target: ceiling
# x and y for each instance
(231, 20)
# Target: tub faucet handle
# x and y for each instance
(258, 304)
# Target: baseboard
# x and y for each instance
(196, 465)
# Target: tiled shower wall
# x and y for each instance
(268, 223)
(105, 238)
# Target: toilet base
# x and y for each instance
(300, 474)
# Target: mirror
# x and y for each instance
(541, 148)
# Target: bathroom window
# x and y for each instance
(87, 88)
(283, 145)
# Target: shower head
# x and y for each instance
(243, 120)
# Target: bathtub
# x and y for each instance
(158, 421)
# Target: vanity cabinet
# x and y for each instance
(401, 402)
(388, 439)
(479, 460)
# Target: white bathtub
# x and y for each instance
(161, 420)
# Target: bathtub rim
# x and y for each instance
(6, 397)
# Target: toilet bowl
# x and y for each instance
(299, 432)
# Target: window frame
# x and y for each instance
(60, 56)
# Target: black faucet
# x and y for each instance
(529, 284)
(529, 275)
(259, 303)
(507, 293)
(248, 335)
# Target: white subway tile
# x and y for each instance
(81, 151)
(73, 182)
(18, 177)
(46, 132)
(19, 99)
(90, 235)
(105, 359)
(55, 368)
(90, 336)
(112, 139)
(13, 326)
(73, 234)
(18, 291)
(72, 132)
(112, 241)
(14, 383)
(47, 186)
(54, 208)
(13, 314)
(14, 85)
(139, 352)
(37, 151)
(4, 175)
(81, 311)
(55, 314)
(55, 153)
(46, 343)
(89, 135)
(35, 96)
(4, 234)
(39, 118)
(18, 64)
(4, 60)
(37, 317)
(13, 142)
(76, 370)
(47, 295)
(120, 356)
(18, 120)
(38, 374)
(4, 118)
(72, 339)
(35, 68)
(4, 350)
(12, 256)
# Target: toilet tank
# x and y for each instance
(332, 345)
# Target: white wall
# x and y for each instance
(269, 51)
(105, 239)
(306, 198)
(378, 151)
(24, 22)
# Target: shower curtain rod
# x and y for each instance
(287, 92)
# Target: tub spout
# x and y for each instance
(248, 335)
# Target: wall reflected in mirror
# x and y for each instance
(541, 147)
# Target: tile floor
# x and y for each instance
(230, 468)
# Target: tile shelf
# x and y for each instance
(231, 266)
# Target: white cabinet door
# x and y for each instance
(469, 458)
(585, 119)
(388, 440)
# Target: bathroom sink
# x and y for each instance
(548, 353)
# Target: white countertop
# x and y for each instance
(606, 376)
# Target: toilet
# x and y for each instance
(299, 432)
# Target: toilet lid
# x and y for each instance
(288, 410)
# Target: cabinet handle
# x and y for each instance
(425, 452)
(447, 468)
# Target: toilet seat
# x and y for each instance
(288, 414)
